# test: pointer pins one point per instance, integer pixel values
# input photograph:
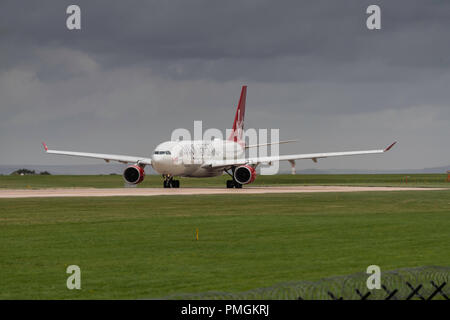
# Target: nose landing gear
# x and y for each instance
(170, 182)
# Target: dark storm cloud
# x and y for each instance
(414, 32)
(150, 66)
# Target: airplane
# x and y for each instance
(206, 158)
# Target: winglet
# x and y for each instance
(389, 148)
(45, 146)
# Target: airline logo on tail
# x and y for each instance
(237, 132)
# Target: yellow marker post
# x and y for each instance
(196, 234)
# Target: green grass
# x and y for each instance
(116, 181)
(143, 247)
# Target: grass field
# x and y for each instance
(116, 181)
(144, 247)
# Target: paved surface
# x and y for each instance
(114, 192)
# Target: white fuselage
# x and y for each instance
(185, 158)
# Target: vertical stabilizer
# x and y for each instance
(238, 125)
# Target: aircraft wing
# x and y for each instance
(270, 159)
(106, 157)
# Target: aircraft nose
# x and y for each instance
(160, 158)
(161, 162)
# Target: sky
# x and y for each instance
(138, 70)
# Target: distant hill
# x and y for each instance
(357, 171)
(118, 168)
(66, 169)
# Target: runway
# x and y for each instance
(116, 192)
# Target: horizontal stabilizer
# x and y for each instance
(268, 144)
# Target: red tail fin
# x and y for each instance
(238, 125)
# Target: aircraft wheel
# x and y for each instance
(230, 184)
(175, 183)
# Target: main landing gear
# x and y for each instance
(170, 182)
(232, 183)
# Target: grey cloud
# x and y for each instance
(139, 69)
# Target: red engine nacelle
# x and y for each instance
(134, 174)
(245, 174)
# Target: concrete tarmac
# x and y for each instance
(116, 192)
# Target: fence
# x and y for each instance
(424, 283)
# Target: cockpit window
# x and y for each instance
(162, 152)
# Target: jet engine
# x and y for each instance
(245, 174)
(134, 174)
